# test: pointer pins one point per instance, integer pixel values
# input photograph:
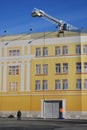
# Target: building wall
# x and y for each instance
(25, 97)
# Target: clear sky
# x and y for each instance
(15, 15)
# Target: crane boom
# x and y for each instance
(61, 24)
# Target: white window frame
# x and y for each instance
(65, 67)
(85, 67)
(57, 50)
(37, 85)
(38, 51)
(38, 69)
(15, 52)
(85, 49)
(78, 49)
(65, 50)
(44, 84)
(78, 84)
(65, 84)
(13, 86)
(58, 68)
(13, 70)
(57, 84)
(78, 67)
(85, 83)
(45, 68)
(45, 51)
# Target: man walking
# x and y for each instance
(19, 115)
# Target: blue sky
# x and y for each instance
(15, 15)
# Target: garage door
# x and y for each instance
(51, 109)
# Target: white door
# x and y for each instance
(55, 108)
(51, 109)
(48, 110)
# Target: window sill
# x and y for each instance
(61, 73)
(41, 74)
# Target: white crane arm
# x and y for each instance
(61, 24)
(40, 13)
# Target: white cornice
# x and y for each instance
(15, 58)
(46, 41)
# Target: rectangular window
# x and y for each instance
(85, 83)
(58, 68)
(57, 50)
(78, 49)
(78, 84)
(78, 67)
(38, 69)
(38, 51)
(45, 51)
(45, 69)
(13, 70)
(37, 85)
(85, 67)
(65, 67)
(85, 49)
(45, 84)
(57, 84)
(65, 84)
(65, 50)
(13, 86)
(14, 52)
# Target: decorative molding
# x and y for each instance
(20, 94)
(22, 77)
(27, 77)
(4, 77)
(16, 58)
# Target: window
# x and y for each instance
(78, 84)
(57, 84)
(78, 67)
(37, 85)
(14, 70)
(57, 50)
(14, 52)
(13, 86)
(38, 52)
(78, 49)
(65, 84)
(85, 83)
(45, 84)
(65, 50)
(45, 69)
(85, 67)
(38, 69)
(85, 49)
(58, 69)
(65, 67)
(45, 51)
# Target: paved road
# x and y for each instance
(27, 124)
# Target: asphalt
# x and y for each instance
(42, 124)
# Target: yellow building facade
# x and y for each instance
(44, 75)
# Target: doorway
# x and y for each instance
(52, 108)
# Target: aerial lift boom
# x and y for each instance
(61, 24)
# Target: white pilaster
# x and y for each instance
(0, 51)
(22, 77)
(0, 77)
(42, 108)
(28, 49)
(4, 77)
(5, 51)
(28, 76)
(23, 50)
